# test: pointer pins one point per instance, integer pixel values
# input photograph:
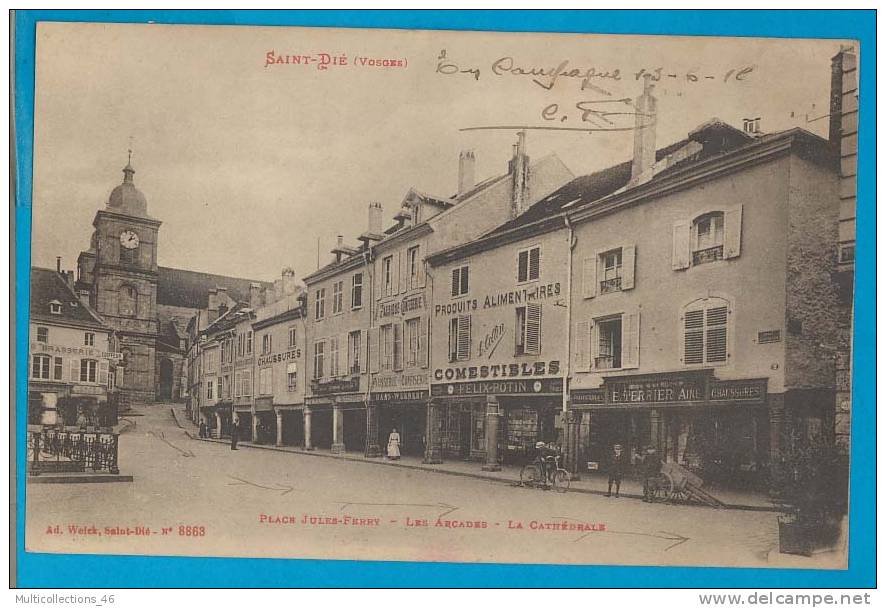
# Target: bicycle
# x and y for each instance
(532, 475)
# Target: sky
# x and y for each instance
(248, 163)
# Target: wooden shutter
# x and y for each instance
(103, 372)
(533, 329)
(375, 350)
(589, 277)
(680, 256)
(119, 376)
(422, 278)
(423, 350)
(582, 346)
(398, 347)
(595, 344)
(396, 264)
(716, 322)
(364, 351)
(630, 340)
(465, 279)
(463, 346)
(732, 232)
(455, 281)
(693, 337)
(534, 263)
(75, 370)
(628, 262)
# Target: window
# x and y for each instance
(57, 369)
(354, 346)
(609, 344)
(707, 238)
(413, 342)
(459, 281)
(357, 291)
(291, 377)
(387, 347)
(127, 299)
(249, 342)
(337, 297)
(333, 357)
(320, 303)
(210, 389)
(246, 383)
(610, 271)
(89, 339)
(222, 382)
(847, 254)
(43, 334)
(55, 308)
(528, 264)
(88, 370)
(412, 267)
(211, 360)
(265, 381)
(40, 367)
(293, 337)
(460, 338)
(528, 329)
(705, 332)
(387, 275)
(266, 344)
(319, 356)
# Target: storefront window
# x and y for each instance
(609, 344)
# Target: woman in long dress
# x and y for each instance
(394, 445)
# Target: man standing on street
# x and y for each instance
(235, 434)
(617, 465)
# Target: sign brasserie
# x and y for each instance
(81, 351)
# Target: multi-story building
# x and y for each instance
(372, 305)
(73, 363)
(279, 373)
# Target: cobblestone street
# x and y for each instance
(192, 497)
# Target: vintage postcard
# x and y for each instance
(441, 296)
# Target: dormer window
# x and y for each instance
(55, 307)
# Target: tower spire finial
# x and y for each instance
(128, 171)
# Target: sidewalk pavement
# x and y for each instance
(590, 483)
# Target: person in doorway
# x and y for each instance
(394, 445)
(651, 469)
(235, 434)
(202, 431)
(617, 463)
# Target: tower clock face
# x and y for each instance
(129, 239)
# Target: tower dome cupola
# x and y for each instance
(126, 198)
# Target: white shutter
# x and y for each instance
(423, 349)
(533, 329)
(732, 232)
(421, 269)
(630, 340)
(595, 344)
(119, 373)
(582, 346)
(396, 263)
(75, 370)
(589, 277)
(463, 345)
(364, 351)
(680, 256)
(375, 350)
(628, 262)
(397, 329)
(103, 372)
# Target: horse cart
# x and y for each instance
(676, 484)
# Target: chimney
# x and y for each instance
(69, 278)
(375, 216)
(844, 99)
(467, 171)
(58, 264)
(278, 291)
(212, 302)
(289, 285)
(222, 309)
(254, 295)
(519, 170)
(644, 134)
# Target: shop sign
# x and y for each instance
(87, 389)
(289, 355)
(401, 307)
(80, 351)
(671, 389)
(400, 381)
(503, 370)
(399, 396)
(339, 385)
(526, 386)
(513, 297)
